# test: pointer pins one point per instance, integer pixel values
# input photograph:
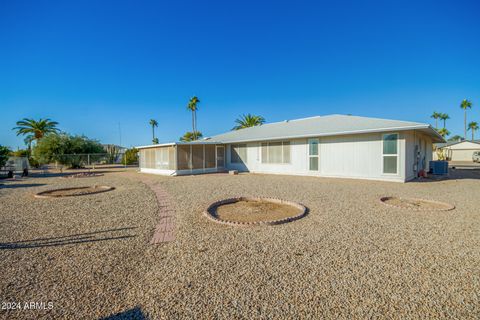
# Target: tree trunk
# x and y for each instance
(153, 133)
(193, 123)
(196, 129)
(465, 125)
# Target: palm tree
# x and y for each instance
(191, 136)
(444, 117)
(443, 132)
(474, 127)
(28, 141)
(35, 130)
(193, 106)
(455, 138)
(466, 104)
(435, 115)
(154, 124)
(248, 120)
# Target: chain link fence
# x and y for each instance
(90, 160)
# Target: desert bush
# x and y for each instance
(4, 154)
(130, 156)
(65, 149)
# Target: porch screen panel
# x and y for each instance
(183, 157)
(197, 156)
(142, 158)
(150, 158)
(171, 158)
(161, 158)
(210, 156)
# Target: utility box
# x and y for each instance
(439, 167)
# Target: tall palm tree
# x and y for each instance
(435, 115)
(248, 120)
(154, 124)
(444, 117)
(193, 106)
(474, 127)
(28, 141)
(466, 104)
(443, 132)
(191, 136)
(35, 130)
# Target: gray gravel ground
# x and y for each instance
(351, 257)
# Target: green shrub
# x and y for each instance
(4, 154)
(19, 153)
(65, 149)
(130, 156)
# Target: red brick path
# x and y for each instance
(165, 229)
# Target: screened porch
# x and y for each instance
(177, 159)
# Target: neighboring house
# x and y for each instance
(459, 151)
(327, 146)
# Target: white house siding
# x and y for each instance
(348, 156)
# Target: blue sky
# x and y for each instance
(92, 65)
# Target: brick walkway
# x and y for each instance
(165, 229)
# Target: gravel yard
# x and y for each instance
(350, 257)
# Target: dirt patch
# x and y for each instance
(255, 211)
(72, 192)
(416, 204)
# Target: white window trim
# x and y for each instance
(242, 161)
(391, 155)
(313, 156)
(276, 163)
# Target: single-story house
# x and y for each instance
(459, 150)
(327, 146)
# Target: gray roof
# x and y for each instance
(318, 126)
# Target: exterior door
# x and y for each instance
(220, 157)
(313, 152)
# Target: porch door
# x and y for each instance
(220, 157)
(313, 154)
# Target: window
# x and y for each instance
(313, 154)
(390, 153)
(238, 153)
(276, 152)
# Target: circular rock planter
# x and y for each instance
(82, 175)
(249, 211)
(416, 204)
(72, 192)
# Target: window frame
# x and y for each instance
(283, 142)
(309, 156)
(397, 154)
(239, 146)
